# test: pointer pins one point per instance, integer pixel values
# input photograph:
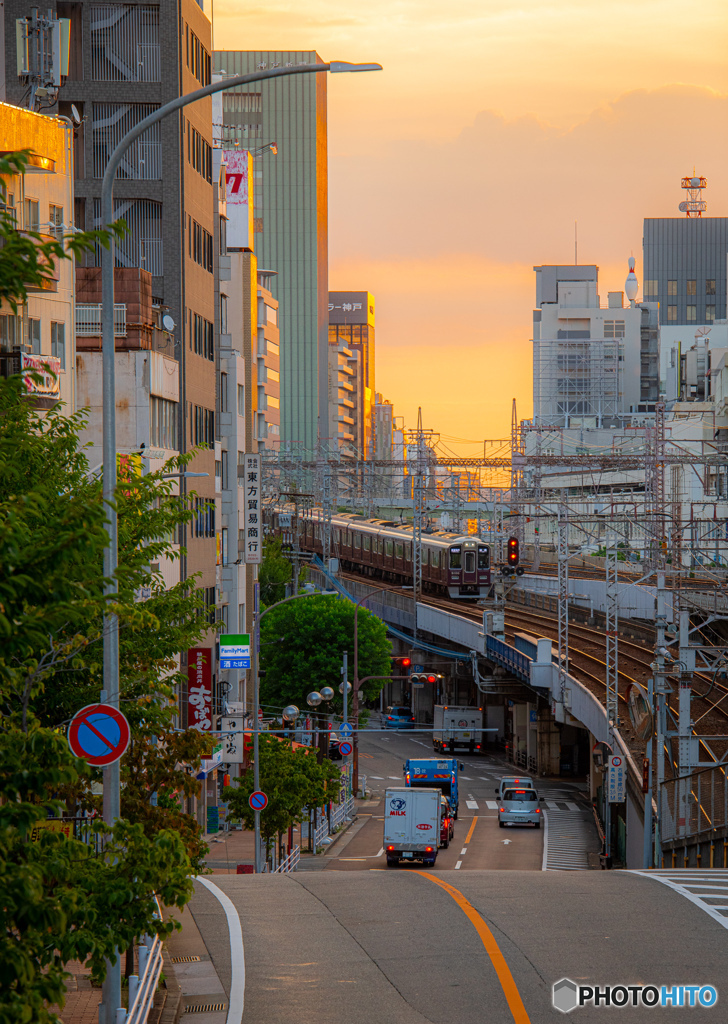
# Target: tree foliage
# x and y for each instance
(292, 779)
(302, 645)
(63, 898)
(276, 572)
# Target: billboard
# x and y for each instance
(199, 689)
(351, 308)
(43, 367)
(239, 177)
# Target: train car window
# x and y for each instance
(455, 558)
(408, 552)
(398, 547)
(357, 541)
(469, 561)
(337, 536)
(388, 548)
(366, 542)
(435, 559)
(483, 558)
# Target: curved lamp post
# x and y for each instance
(110, 692)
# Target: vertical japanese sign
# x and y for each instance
(616, 780)
(239, 178)
(253, 520)
(199, 688)
(232, 739)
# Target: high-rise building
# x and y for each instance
(283, 121)
(586, 357)
(685, 262)
(351, 406)
(125, 61)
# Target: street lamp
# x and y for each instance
(110, 692)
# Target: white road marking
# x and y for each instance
(466, 778)
(491, 805)
(458, 864)
(683, 882)
(396, 777)
(506, 842)
(472, 805)
(236, 1001)
(463, 851)
(552, 805)
(380, 852)
(379, 778)
(572, 807)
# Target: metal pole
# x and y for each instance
(345, 674)
(256, 706)
(661, 690)
(647, 842)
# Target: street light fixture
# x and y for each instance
(110, 692)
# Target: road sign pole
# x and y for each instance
(345, 686)
(256, 705)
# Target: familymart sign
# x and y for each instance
(235, 650)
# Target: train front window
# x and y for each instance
(469, 561)
(455, 558)
(483, 558)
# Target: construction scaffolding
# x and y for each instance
(576, 380)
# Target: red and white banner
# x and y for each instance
(199, 689)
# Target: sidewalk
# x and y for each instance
(82, 1001)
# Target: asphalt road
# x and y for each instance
(386, 947)
(478, 843)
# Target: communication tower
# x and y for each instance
(694, 205)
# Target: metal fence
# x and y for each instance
(111, 122)
(694, 805)
(289, 863)
(88, 319)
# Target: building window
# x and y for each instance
(32, 339)
(32, 215)
(199, 244)
(241, 616)
(204, 521)
(672, 287)
(224, 471)
(143, 158)
(614, 328)
(691, 314)
(271, 314)
(58, 343)
(223, 392)
(7, 332)
(709, 314)
(199, 153)
(198, 60)
(55, 221)
(691, 287)
(242, 102)
(272, 374)
(223, 314)
(649, 289)
(241, 400)
(671, 313)
(710, 286)
(141, 246)
(223, 236)
(224, 545)
(202, 427)
(163, 423)
(125, 43)
(202, 336)
(225, 615)
(272, 402)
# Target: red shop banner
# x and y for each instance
(199, 688)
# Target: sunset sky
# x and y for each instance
(493, 127)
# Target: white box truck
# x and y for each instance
(457, 728)
(411, 825)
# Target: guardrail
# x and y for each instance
(341, 812)
(289, 863)
(88, 319)
(142, 986)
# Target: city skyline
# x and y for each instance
(445, 241)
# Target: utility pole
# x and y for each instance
(612, 667)
(662, 689)
(418, 495)
(563, 598)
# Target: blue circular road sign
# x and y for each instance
(345, 748)
(345, 729)
(258, 801)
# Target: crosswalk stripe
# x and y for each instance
(572, 807)
(472, 805)
(568, 838)
(714, 882)
(491, 805)
(552, 805)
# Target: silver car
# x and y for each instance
(513, 782)
(519, 807)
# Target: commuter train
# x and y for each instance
(451, 564)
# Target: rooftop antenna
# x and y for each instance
(694, 205)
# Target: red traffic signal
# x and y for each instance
(513, 554)
(406, 662)
(424, 677)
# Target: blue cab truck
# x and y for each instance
(433, 772)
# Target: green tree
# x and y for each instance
(302, 644)
(276, 572)
(292, 779)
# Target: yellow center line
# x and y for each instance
(510, 991)
(470, 833)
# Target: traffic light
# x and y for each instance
(403, 664)
(425, 677)
(513, 554)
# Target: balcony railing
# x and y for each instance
(88, 319)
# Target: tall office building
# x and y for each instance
(685, 262)
(127, 59)
(283, 122)
(351, 372)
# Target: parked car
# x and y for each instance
(334, 751)
(398, 718)
(519, 807)
(447, 823)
